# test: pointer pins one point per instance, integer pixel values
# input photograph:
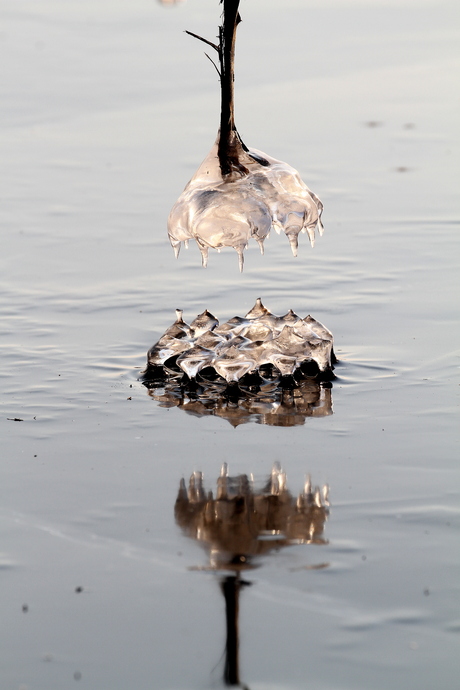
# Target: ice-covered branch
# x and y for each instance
(237, 193)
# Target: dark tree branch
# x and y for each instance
(205, 40)
(230, 143)
(217, 69)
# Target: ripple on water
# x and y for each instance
(363, 623)
(7, 562)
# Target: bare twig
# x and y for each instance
(205, 40)
(230, 144)
(217, 69)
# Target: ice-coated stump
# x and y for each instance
(227, 211)
(238, 194)
(270, 369)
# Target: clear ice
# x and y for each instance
(263, 368)
(243, 345)
(238, 194)
(227, 211)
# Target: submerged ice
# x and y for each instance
(219, 210)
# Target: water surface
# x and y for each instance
(108, 108)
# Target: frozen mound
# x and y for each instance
(274, 370)
(243, 345)
(242, 521)
(228, 210)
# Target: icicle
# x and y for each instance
(204, 255)
(176, 247)
(240, 258)
(293, 241)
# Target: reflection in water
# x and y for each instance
(237, 193)
(266, 403)
(262, 367)
(241, 524)
(231, 586)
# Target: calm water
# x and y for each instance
(107, 110)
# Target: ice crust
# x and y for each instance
(243, 345)
(218, 212)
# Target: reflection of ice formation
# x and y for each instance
(261, 367)
(266, 403)
(242, 522)
(227, 211)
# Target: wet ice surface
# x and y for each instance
(89, 542)
(219, 212)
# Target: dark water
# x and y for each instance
(108, 108)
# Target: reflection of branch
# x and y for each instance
(231, 586)
(242, 522)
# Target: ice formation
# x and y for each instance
(242, 522)
(243, 345)
(227, 211)
(237, 193)
(261, 367)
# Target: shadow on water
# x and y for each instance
(240, 525)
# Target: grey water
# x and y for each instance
(107, 110)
